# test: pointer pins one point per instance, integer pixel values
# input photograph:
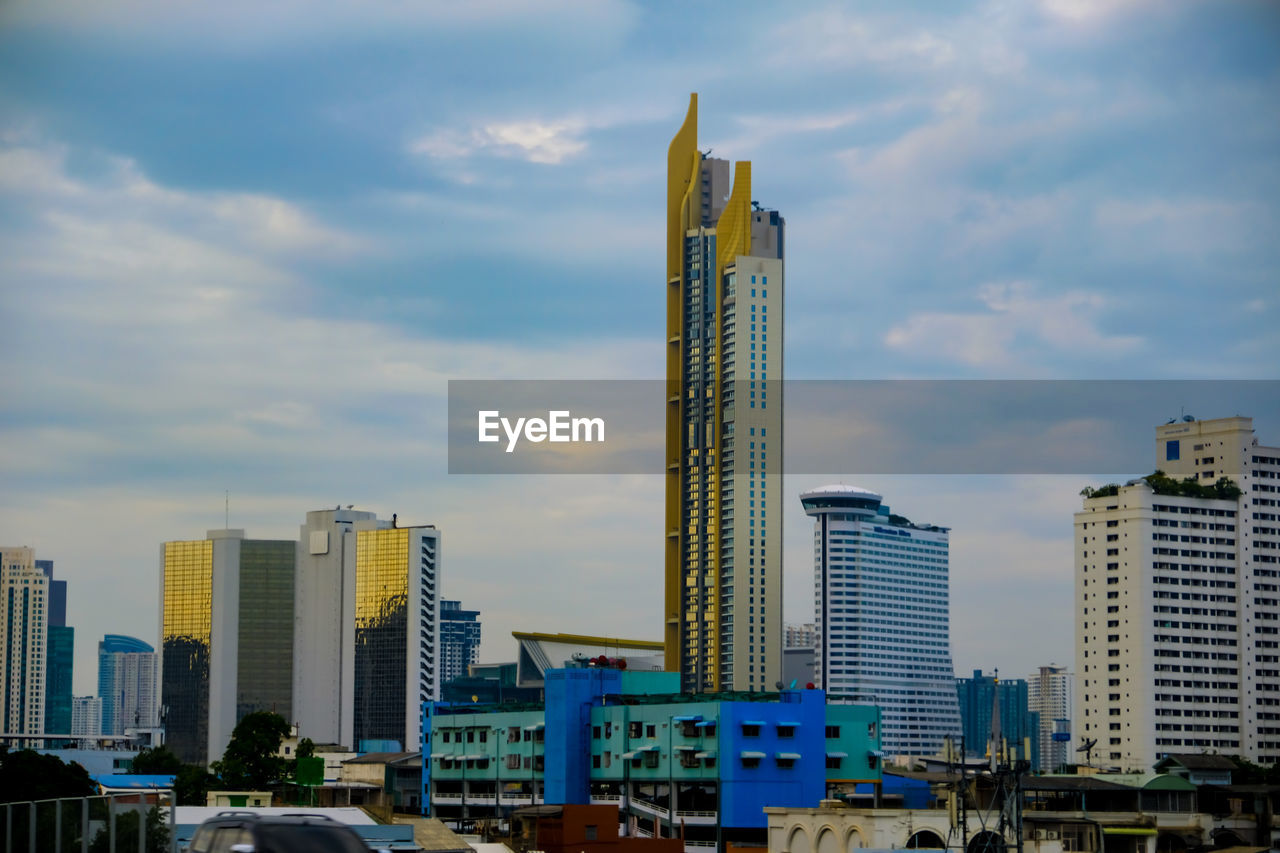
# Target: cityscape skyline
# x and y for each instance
(199, 315)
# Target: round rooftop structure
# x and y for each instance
(839, 497)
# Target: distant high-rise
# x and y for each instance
(368, 628)
(723, 529)
(1019, 726)
(1178, 620)
(226, 637)
(459, 640)
(883, 616)
(86, 716)
(128, 684)
(59, 656)
(23, 630)
(801, 636)
(1049, 695)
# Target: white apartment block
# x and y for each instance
(24, 601)
(86, 716)
(1178, 635)
(803, 636)
(1049, 695)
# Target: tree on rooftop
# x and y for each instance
(252, 761)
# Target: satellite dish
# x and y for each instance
(1089, 743)
(778, 684)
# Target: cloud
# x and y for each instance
(833, 38)
(534, 141)
(1018, 321)
(37, 172)
(244, 24)
(1093, 12)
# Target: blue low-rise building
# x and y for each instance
(701, 767)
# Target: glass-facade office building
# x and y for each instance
(226, 637)
(723, 551)
(1019, 725)
(881, 595)
(396, 634)
(459, 640)
(186, 619)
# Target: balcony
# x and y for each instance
(698, 818)
(646, 807)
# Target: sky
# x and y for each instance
(244, 248)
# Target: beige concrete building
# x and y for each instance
(1178, 597)
(23, 628)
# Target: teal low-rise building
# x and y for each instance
(701, 767)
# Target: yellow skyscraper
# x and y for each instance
(723, 600)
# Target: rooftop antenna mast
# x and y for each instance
(226, 510)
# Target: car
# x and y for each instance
(254, 832)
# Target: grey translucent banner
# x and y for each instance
(849, 426)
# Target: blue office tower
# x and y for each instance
(110, 689)
(1017, 722)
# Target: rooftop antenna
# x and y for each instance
(226, 509)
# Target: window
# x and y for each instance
(590, 832)
(750, 761)
(751, 730)
(785, 730)
(1172, 450)
(833, 763)
(651, 730)
(833, 732)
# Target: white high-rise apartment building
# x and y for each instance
(881, 595)
(24, 617)
(1178, 633)
(803, 636)
(86, 716)
(1049, 695)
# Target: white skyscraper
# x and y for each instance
(1049, 694)
(1178, 628)
(86, 716)
(24, 610)
(368, 628)
(883, 616)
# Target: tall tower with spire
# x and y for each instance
(723, 601)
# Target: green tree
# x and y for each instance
(191, 785)
(157, 840)
(252, 761)
(29, 775)
(158, 761)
